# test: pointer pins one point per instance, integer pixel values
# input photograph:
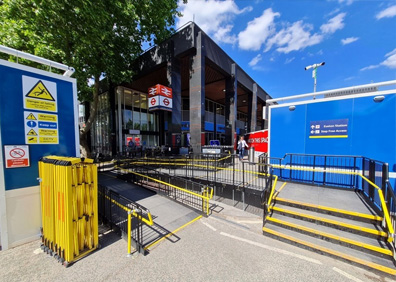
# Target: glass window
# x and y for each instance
(128, 119)
(127, 98)
(136, 120)
(143, 121)
(143, 101)
(136, 100)
(185, 104)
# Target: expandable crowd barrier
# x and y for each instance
(69, 207)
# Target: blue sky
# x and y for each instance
(274, 40)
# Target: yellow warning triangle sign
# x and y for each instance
(31, 117)
(32, 132)
(39, 91)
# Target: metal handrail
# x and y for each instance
(206, 198)
(379, 191)
(19, 54)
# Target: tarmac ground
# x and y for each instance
(226, 246)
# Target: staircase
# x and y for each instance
(333, 222)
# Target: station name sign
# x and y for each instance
(335, 128)
(160, 98)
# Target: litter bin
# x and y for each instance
(251, 155)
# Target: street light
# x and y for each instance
(314, 66)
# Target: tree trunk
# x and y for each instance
(84, 148)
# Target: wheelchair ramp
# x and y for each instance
(334, 222)
(168, 216)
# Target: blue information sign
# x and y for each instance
(334, 128)
(214, 142)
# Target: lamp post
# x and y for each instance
(315, 67)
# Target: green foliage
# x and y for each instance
(95, 37)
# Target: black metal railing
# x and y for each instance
(316, 169)
(240, 181)
(390, 200)
(184, 191)
(368, 176)
(113, 210)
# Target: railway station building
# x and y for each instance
(211, 98)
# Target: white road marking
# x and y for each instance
(347, 275)
(250, 221)
(37, 251)
(208, 225)
(272, 248)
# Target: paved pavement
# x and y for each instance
(227, 246)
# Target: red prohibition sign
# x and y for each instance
(166, 102)
(17, 153)
(153, 101)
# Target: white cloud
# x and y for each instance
(347, 2)
(255, 60)
(213, 16)
(370, 67)
(387, 13)
(223, 35)
(349, 78)
(389, 62)
(289, 60)
(349, 40)
(294, 37)
(257, 31)
(333, 24)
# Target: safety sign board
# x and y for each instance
(39, 94)
(16, 156)
(41, 128)
(335, 128)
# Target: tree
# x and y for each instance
(96, 37)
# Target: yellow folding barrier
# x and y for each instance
(69, 206)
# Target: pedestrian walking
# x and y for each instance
(242, 145)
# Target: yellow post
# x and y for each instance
(129, 232)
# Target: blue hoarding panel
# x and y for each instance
(365, 129)
(339, 111)
(374, 129)
(61, 139)
(287, 131)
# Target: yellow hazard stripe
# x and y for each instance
(280, 189)
(346, 212)
(329, 136)
(172, 233)
(379, 191)
(334, 253)
(331, 236)
(334, 222)
(165, 183)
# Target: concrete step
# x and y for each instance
(365, 260)
(364, 217)
(356, 241)
(357, 227)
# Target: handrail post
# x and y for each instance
(313, 173)
(129, 232)
(385, 179)
(324, 172)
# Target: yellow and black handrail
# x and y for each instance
(383, 205)
(119, 211)
(196, 199)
